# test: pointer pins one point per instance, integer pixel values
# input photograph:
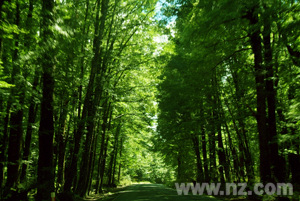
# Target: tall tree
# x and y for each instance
(46, 131)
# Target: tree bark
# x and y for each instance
(120, 156)
(114, 157)
(31, 120)
(204, 155)
(195, 140)
(16, 119)
(255, 41)
(102, 147)
(46, 131)
(271, 98)
(3, 146)
(103, 162)
(61, 135)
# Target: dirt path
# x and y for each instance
(153, 192)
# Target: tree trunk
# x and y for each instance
(271, 99)
(102, 167)
(120, 156)
(103, 137)
(195, 140)
(223, 166)
(92, 162)
(3, 146)
(46, 131)
(110, 167)
(16, 120)
(212, 143)
(61, 144)
(103, 162)
(28, 40)
(85, 163)
(31, 120)
(204, 155)
(114, 157)
(255, 41)
(222, 157)
(115, 164)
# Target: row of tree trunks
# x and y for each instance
(266, 121)
(32, 113)
(270, 167)
(240, 126)
(96, 62)
(33, 108)
(239, 164)
(61, 137)
(105, 149)
(61, 113)
(113, 158)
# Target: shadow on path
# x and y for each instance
(152, 192)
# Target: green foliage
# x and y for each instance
(138, 90)
(4, 84)
(208, 84)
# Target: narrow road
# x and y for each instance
(154, 192)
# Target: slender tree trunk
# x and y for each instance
(3, 144)
(114, 157)
(103, 162)
(32, 113)
(222, 158)
(204, 155)
(223, 167)
(46, 131)
(85, 163)
(195, 140)
(212, 143)
(238, 166)
(103, 137)
(233, 154)
(110, 167)
(120, 156)
(179, 167)
(115, 164)
(4, 136)
(16, 120)
(61, 143)
(93, 160)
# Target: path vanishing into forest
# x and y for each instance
(153, 192)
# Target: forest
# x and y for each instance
(96, 94)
